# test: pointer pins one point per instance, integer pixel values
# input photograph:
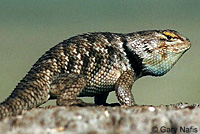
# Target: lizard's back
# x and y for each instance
(98, 57)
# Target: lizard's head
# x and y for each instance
(159, 50)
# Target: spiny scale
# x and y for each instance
(94, 64)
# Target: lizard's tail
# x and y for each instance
(11, 107)
(15, 106)
(5, 111)
(32, 91)
(23, 98)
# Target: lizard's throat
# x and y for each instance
(155, 67)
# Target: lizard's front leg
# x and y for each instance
(68, 87)
(123, 88)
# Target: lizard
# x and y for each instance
(94, 64)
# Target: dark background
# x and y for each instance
(29, 28)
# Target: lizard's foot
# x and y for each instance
(73, 102)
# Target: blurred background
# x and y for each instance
(29, 28)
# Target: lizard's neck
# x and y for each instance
(134, 60)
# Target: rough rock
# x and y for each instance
(180, 118)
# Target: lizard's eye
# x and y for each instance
(163, 38)
(170, 36)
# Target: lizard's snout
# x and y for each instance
(187, 44)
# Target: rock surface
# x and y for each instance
(180, 118)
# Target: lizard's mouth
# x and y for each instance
(179, 46)
(183, 47)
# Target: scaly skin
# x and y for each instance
(95, 64)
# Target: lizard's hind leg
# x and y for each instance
(67, 87)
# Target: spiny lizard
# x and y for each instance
(94, 64)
